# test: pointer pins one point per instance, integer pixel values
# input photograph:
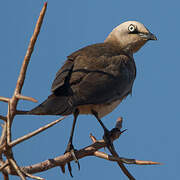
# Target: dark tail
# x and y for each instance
(53, 105)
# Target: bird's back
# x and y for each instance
(97, 76)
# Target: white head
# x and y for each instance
(130, 36)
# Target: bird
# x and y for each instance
(97, 78)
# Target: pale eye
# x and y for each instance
(131, 28)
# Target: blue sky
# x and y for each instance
(151, 114)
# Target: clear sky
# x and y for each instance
(151, 114)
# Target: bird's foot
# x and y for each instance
(70, 148)
(108, 139)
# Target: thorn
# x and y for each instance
(123, 131)
(62, 169)
(70, 169)
(92, 138)
(119, 123)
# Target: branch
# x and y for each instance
(120, 159)
(4, 99)
(14, 100)
(90, 150)
(25, 137)
(30, 49)
(5, 140)
(123, 160)
(4, 165)
(3, 135)
(17, 169)
(3, 118)
(34, 177)
(19, 96)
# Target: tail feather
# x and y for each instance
(53, 105)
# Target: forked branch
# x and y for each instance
(91, 150)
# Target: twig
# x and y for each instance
(17, 169)
(19, 96)
(123, 160)
(3, 135)
(8, 125)
(30, 49)
(4, 99)
(121, 165)
(3, 118)
(93, 138)
(22, 74)
(2, 147)
(34, 177)
(23, 138)
(4, 165)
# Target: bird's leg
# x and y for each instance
(107, 133)
(70, 147)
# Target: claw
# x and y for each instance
(70, 148)
(75, 158)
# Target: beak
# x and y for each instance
(148, 36)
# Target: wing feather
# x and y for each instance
(96, 74)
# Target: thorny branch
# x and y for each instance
(9, 165)
(12, 103)
(91, 150)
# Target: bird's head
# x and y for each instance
(130, 36)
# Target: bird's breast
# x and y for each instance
(102, 109)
